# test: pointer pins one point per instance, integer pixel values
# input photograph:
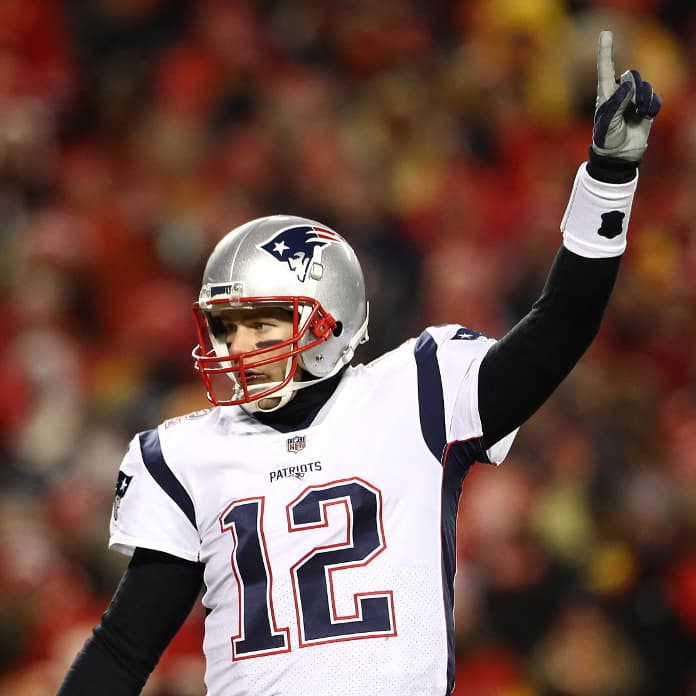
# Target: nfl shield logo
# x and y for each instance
(296, 444)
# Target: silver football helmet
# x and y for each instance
(296, 264)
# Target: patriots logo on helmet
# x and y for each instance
(299, 246)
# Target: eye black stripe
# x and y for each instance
(268, 344)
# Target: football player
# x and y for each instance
(315, 503)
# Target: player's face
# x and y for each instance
(244, 330)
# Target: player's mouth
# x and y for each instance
(254, 376)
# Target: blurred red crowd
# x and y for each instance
(441, 140)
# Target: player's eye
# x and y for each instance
(219, 327)
(216, 325)
(262, 325)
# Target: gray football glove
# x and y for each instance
(625, 108)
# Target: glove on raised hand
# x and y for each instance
(625, 108)
(596, 220)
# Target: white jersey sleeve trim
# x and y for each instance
(497, 452)
(151, 508)
(125, 544)
(448, 359)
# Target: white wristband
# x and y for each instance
(596, 219)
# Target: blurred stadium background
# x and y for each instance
(441, 138)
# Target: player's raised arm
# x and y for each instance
(521, 371)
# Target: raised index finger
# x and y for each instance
(606, 80)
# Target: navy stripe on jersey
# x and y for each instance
(155, 464)
(457, 459)
(431, 404)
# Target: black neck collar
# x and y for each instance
(302, 409)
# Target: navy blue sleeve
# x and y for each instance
(153, 599)
(521, 370)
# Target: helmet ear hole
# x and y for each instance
(338, 329)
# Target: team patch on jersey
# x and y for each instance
(464, 334)
(299, 247)
(296, 444)
(122, 484)
(297, 472)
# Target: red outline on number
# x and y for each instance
(358, 596)
(269, 574)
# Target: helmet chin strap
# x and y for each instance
(283, 396)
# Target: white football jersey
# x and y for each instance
(329, 550)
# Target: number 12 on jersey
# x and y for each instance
(312, 575)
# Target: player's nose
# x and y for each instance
(241, 340)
